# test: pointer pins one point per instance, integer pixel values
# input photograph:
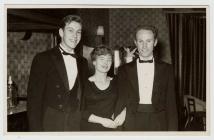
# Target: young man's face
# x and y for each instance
(145, 43)
(103, 63)
(71, 34)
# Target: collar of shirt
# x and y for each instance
(138, 63)
(65, 49)
(71, 68)
(141, 58)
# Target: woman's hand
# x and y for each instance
(105, 122)
(108, 123)
(119, 120)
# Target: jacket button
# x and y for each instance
(60, 106)
(59, 96)
(57, 86)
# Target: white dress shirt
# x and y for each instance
(71, 68)
(145, 72)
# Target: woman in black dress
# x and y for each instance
(100, 95)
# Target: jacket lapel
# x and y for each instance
(60, 66)
(132, 74)
(158, 77)
(79, 68)
(158, 73)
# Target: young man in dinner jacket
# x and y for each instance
(56, 82)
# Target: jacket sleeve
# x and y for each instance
(85, 72)
(36, 87)
(172, 114)
(85, 113)
(122, 96)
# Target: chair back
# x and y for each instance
(191, 105)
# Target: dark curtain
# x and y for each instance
(194, 55)
(188, 50)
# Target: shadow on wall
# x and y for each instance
(163, 52)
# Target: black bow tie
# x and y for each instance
(66, 53)
(146, 61)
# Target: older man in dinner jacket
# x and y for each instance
(146, 88)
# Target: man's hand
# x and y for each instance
(129, 54)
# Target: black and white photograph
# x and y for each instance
(107, 69)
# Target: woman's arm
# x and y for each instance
(108, 123)
(119, 120)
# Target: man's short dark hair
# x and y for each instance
(68, 19)
(147, 27)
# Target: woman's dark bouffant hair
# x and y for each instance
(101, 50)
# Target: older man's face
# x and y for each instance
(145, 42)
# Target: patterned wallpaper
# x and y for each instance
(20, 54)
(124, 21)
